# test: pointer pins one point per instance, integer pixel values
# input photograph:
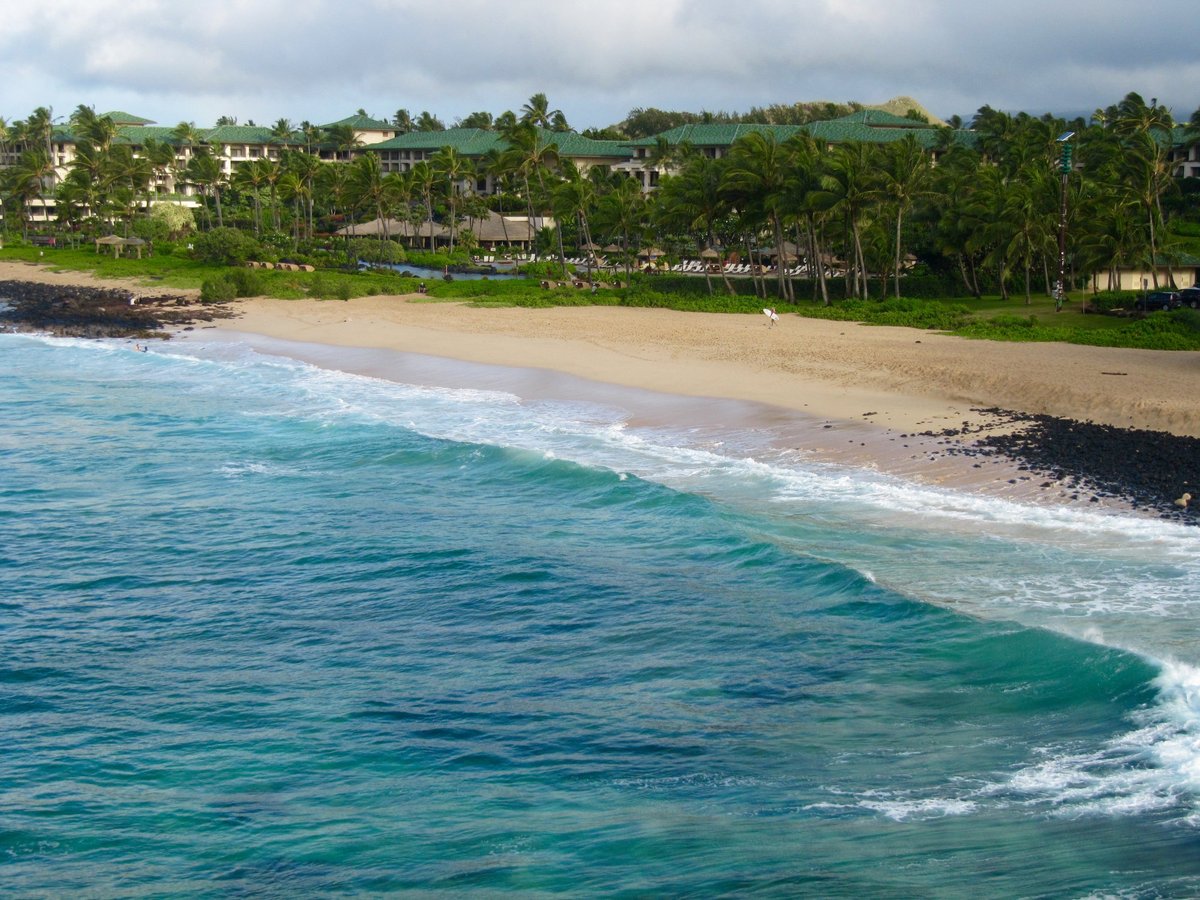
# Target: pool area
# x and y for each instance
(427, 274)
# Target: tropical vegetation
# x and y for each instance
(868, 222)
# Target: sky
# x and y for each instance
(321, 60)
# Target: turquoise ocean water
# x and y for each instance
(274, 629)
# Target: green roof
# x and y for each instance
(139, 134)
(572, 144)
(715, 134)
(237, 134)
(362, 123)
(124, 118)
(878, 118)
(868, 126)
(467, 141)
(478, 141)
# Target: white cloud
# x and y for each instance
(321, 59)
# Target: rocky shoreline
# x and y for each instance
(92, 312)
(1152, 471)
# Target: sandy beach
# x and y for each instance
(903, 378)
(867, 393)
(900, 378)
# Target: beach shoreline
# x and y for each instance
(838, 392)
(905, 402)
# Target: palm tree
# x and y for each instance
(954, 185)
(131, 177)
(754, 182)
(574, 198)
(1024, 226)
(26, 181)
(427, 121)
(99, 130)
(424, 182)
(403, 121)
(293, 188)
(1146, 130)
(308, 168)
(311, 135)
(693, 201)
(334, 182)
(538, 112)
(451, 167)
(621, 213)
(71, 203)
(39, 132)
(368, 188)
(342, 139)
(530, 154)
(803, 200)
(187, 137)
(282, 132)
(161, 156)
(251, 178)
(904, 180)
(497, 165)
(848, 190)
(204, 170)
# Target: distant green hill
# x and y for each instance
(899, 106)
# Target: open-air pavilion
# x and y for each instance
(119, 244)
(490, 232)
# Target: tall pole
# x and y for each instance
(1060, 289)
(1064, 169)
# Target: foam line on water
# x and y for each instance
(1052, 567)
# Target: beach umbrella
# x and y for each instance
(590, 246)
(651, 252)
(709, 253)
(612, 248)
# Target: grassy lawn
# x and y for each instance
(989, 318)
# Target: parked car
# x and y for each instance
(1190, 297)
(1157, 300)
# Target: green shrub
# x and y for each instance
(331, 287)
(246, 282)
(542, 269)
(217, 290)
(375, 250)
(231, 284)
(906, 312)
(1187, 319)
(1107, 301)
(174, 220)
(225, 246)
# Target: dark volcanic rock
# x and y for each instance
(77, 311)
(1147, 469)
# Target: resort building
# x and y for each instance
(402, 152)
(231, 145)
(1185, 154)
(870, 126)
(646, 160)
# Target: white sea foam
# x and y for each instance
(1153, 768)
(244, 468)
(1085, 572)
(927, 808)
